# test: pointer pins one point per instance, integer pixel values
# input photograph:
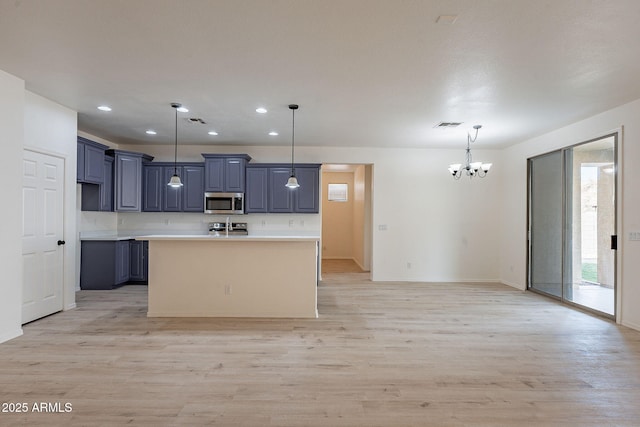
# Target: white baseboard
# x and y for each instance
(512, 284)
(11, 335)
(631, 325)
(69, 307)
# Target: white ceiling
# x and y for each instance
(366, 73)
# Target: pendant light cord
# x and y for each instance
(293, 138)
(175, 152)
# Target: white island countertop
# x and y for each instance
(273, 238)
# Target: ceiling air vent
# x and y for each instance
(196, 120)
(447, 125)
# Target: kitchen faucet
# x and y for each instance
(229, 226)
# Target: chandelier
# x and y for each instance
(470, 168)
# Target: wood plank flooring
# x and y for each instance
(381, 354)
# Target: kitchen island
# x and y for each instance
(235, 276)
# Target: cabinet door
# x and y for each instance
(234, 170)
(152, 188)
(97, 264)
(122, 261)
(93, 164)
(193, 190)
(136, 261)
(145, 261)
(128, 183)
(280, 198)
(106, 188)
(172, 196)
(80, 163)
(307, 195)
(214, 174)
(255, 198)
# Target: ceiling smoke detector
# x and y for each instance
(196, 120)
(447, 125)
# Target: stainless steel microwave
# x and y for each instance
(224, 203)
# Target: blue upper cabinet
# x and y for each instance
(234, 174)
(106, 188)
(128, 180)
(152, 188)
(172, 200)
(267, 193)
(280, 198)
(90, 161)
(307, 196)
(99, 197)
(80, 162)
(157, 196)
(214, 174)
(255, 197)
(225, 172)
(193, 190)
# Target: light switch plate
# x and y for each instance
(634, 235)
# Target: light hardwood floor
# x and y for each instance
(381, 354)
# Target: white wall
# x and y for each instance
(513, 241)
(446, 230)
(52, 129)
(12, 137)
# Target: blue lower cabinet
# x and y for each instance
(123, 262)
(106, 264)
(138, 266)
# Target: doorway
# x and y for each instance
(42, 235)
(572, 225)
(346, 220)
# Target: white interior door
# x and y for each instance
(42, 235)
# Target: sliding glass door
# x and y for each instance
(572, 224)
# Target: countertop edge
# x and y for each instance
(231, 238)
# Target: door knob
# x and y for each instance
(61, 242)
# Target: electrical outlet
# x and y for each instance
(227, 289)
(408, 266)
(634, 235)
(382, 227)
(167, 222)
(290, 223)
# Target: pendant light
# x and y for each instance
(175, 182)
(292, 183)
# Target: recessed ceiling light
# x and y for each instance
(104, 108)
(273, 133)
(151, 132)
(182, 109)
(213, 132)
(261, 110)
